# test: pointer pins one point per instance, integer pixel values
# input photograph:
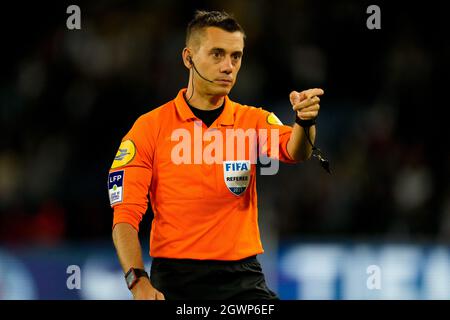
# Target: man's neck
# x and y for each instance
(204, 102)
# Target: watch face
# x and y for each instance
(133, 275)
(131, 278)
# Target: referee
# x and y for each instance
(204, 238)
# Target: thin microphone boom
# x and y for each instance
(200, 74)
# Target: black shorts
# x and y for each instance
(184, 279)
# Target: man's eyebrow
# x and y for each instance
(215, 49)
(222, 50)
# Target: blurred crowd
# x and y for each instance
(68, 96)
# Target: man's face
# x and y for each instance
(218, 58)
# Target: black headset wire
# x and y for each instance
(192, 81)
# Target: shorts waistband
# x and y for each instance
(205, 262)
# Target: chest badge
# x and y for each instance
(236, 175)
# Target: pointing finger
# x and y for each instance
(313, 92)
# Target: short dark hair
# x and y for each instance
(220, 19)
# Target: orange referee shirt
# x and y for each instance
(202, 209)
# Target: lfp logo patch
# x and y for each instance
(115, 186)
(236, 175)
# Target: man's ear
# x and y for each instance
(187, 58)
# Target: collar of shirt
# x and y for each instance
(225, 119)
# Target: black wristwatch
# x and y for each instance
(305, 123)
(133, 275)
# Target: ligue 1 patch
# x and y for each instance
(115, 186)
(236, 175)
(124, 155)
(273, 119)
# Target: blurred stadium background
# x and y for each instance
(67, 98)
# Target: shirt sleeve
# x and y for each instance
(274, 137)
(130, 175)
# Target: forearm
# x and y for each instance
(298, 146)
(128, 247)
